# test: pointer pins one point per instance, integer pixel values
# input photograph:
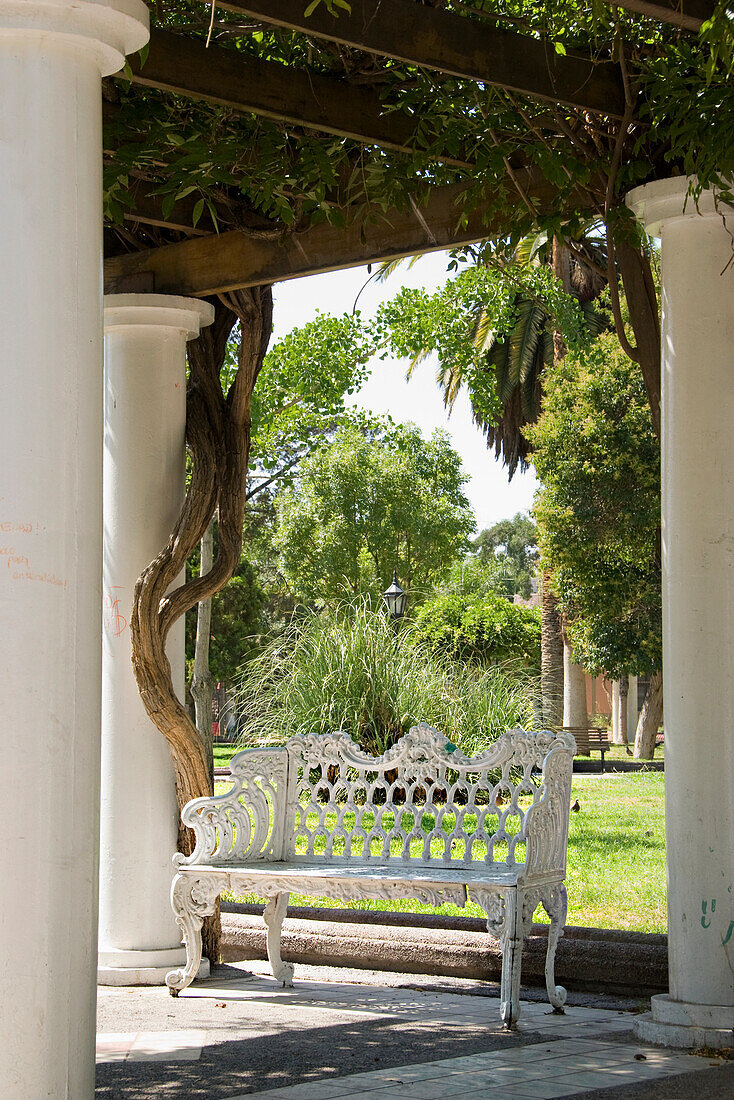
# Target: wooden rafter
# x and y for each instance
(215, 264)
(688, 14)
(453, 44)
(177, 63)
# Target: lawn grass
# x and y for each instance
(616, 857)
(223, 753)
(616, 852)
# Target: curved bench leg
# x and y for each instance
(274, 913)
(511, 943)
(555, 903)
(193, 897)
(505, 923)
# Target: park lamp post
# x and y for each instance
(396, 599)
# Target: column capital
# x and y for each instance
(108, 29)
(188, 315)
(663, 201)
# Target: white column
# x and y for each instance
(144, 475)
(698, 611)
(574, 691)
(51, 58)
(616, 714)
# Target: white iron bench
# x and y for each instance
(321, 817)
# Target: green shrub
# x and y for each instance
(484, 628)
(347, 669)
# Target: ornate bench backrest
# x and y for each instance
(246, 824)
(423, 799)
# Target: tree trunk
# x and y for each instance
(202, 685)
(644, 313)
(551, 637)
(218, 437)
(650, 718)
(562, 270)
(551, 657)
(632, 710)
(574, 691)
(624, 686)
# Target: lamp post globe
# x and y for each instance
(395, 599)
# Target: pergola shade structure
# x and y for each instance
(295, 144)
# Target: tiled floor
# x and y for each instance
(560, 1055)
(541, 1070)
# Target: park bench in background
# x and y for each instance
(589, 739)
(321, 817)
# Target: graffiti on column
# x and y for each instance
(115, 621)
(708, 911)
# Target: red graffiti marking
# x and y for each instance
(116, 621)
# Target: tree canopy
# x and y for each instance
(362, 508)
(598, 510)
(482, 628)
(298, 404)
(513, 545)
(299, 399)
(236, 624)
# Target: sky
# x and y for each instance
(419, 400)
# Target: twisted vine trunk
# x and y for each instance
(218, 437)
(642, 302)
(202, 683)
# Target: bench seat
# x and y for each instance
(401, 881)
(321, 817)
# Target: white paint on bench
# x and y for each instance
(421, 821)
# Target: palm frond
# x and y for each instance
(531, 389)
(528, 248)
(389, 267)
(483, 336)
(595, 323)
(450, 379)
(418, 358)
(524, 339)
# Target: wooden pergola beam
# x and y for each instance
(214, 264)
(149, 211)
(688, 14)
(453, 44)
(176, 63)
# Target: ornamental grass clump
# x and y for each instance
(347, 668)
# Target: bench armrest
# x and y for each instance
(546, 823)
(246, 824)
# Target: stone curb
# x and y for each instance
(587, 959)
